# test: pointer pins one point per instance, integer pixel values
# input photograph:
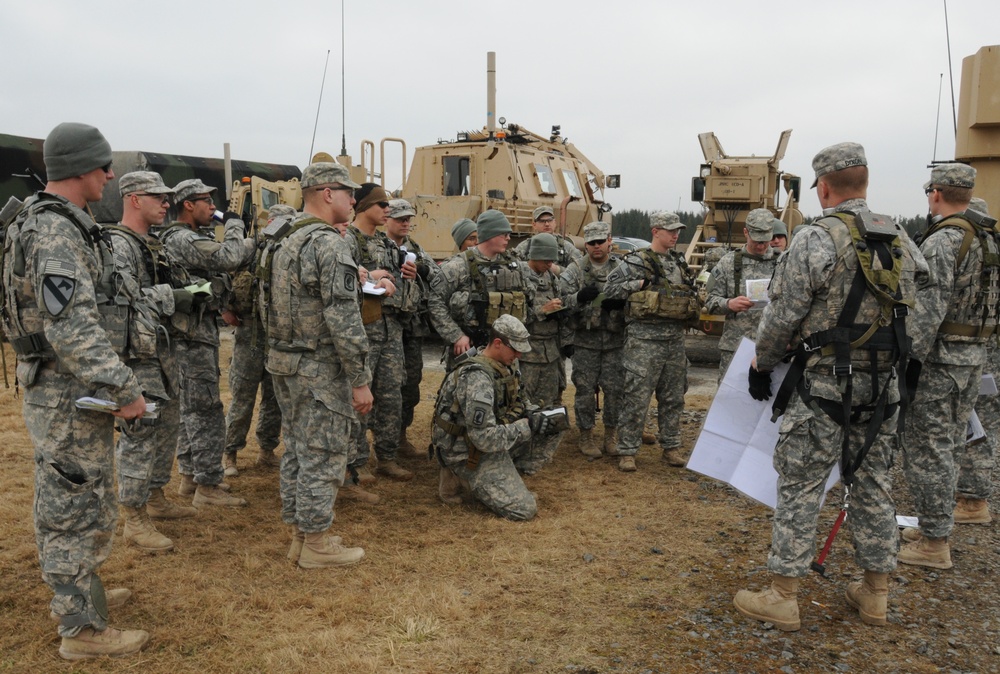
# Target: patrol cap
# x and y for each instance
(142, 181)
(779, 229)
(979, 205)
(713, 255)
(400, 208)
(543, 247)
(513, 331)
(837, 158)
(492, 223)
(952, 175)
(186, 189)
(665, 220)
(596, 231)
(72, 149)
(540, 211)
(760, 225)
(325, 173)
(281, 211)
(461, 230)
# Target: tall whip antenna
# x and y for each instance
(318, 106)
(937, 123)
(343, 90)
(951, 74)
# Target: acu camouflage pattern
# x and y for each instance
(540, 366)
(975, 463)
(598, 339)
(416, 326)
(247, 375)
(318, 354)
(808, 290)
(722, 287)
(567, 251)
(74, 500)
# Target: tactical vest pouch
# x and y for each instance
(674, 302)
(495, 309)
(243, 293)
(371, 309)
(142, 336)
(114, 320)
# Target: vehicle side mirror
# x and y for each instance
(697, 189)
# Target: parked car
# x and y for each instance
(627, 244)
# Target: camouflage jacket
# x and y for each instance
(547, 330)
(205, 258)
(418, 323)
(629, 277)
(594, 326)
(567, 252)
(722, 287)
(380, 252)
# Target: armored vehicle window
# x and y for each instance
(572, 183)
(546, 183)
(456, 176)
(596, 194)
(268, 198)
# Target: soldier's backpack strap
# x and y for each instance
(737, 270)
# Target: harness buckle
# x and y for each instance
(843, 370)
(900, 311)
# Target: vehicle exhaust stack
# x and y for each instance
(491, 93)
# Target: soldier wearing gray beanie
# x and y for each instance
(492, 223)
(72, 149)
(462, 230)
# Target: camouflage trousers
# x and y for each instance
(935, 440)
(74, 502)
(541, 382)
(413, 365)
(317, 443)
(652, 366)
(246, 376)
(496, 484)
(976, 463)
(593, 368)
(531, 457)
(144, 453)
(202, 434)
(809, 445)
(385, 359)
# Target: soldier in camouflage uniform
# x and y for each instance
(726, 289)
(465, 235)
(540, 366)
(477, 286)
(201, 440)
(144, 453)
(65, 315)
(661, 299)
(415, 324)
(810, 294)
(482, 433)
(383, 317)
(544, 222)
(958, 314)
(779, 237)
(317, 355)
(598, 339)
(247, 374)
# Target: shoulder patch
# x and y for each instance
(58, 285)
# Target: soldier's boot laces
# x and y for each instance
(972, 511)
(778, 604)
(188, 486)
(158, 507)
(610, 441)
(449, 487)
(268, 459)
(626, 464)
(394, 471)
(115, 598)
(354, 492)
(229, 464)
(870, 596)
(140, 532)
(674, 457)
(588, 445)
(298, 537)
(214, 495)
(319, 550)
(365, 476)
(111, 642)
(930, 552)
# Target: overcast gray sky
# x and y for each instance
(631, 82)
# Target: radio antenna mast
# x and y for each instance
(318, 106)
(951, 74)
(937, 122)
(343, 90)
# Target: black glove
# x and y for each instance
(760, 384)
(540, 424)
(229, 215)
(183, 301)
(567, 350)
(613, 305)
(423, 271)
(587, 294)
(911, 378)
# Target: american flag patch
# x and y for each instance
(59, 268)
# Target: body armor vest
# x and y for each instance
(593, 316)
(663, 299)
(496, 290)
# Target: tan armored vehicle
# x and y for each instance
(977, 142)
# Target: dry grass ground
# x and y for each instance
(619, 572)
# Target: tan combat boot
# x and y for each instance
(972, 511)
(648, 438)
(229, 464)
(777, 604)
(268, 459)
(298, 537)
(354, 492)
(910, 534)
(365, 476)
(159, 508)
(588, 446)
(449, 487)
(188, 486)
(611, 441)
(111, 642)
(319, 550)
(626, 464)
(114, 598)
(140, 532)
(870, 596)
(409, 449)
(673, 457)
(214, 495)
(931, 552)
(394, 471)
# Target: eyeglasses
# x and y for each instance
(208, 200)
(545, 221)
(162, 198)
(931, 189)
